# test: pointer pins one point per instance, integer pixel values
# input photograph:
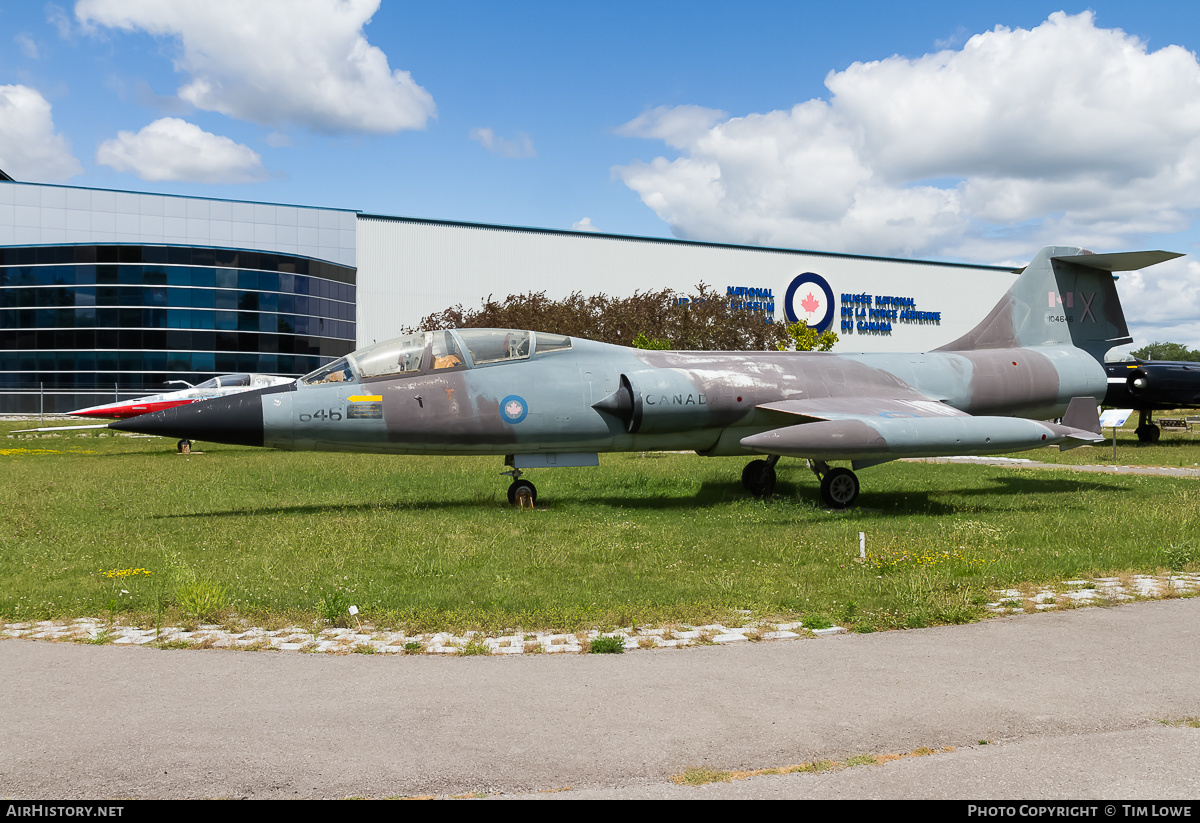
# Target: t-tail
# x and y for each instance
(1066, 296)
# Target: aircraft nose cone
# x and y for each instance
(236, 419)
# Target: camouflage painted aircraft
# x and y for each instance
(545, 400)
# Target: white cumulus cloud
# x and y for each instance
(1162, 303)
(174, 149)
(276, 62)
(30, 149)
(584, 225)
(1066, 133)
(522, 146)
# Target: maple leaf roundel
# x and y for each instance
(810, 298)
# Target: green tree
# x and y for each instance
(1167, 351)
(802, 338)
(643, 342)
(704, 320)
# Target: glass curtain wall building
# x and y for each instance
(84, 322)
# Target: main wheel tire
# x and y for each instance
(839, 488)
(519, 486)
(758, 478)
(1149, 434)
(184, 446)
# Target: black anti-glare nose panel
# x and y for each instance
(236, 419)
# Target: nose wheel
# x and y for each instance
(521, 493)
(184, 446)
(839, 487)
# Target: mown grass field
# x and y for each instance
(124, 527)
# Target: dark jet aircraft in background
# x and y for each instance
(1150, 386)
(545, 400)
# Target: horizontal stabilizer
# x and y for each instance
(1119, 261)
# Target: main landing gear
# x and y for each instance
(521, 493)
(759, 476)
(1147, 431)
(184, 446)
(839, 487)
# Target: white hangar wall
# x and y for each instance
(410, 268)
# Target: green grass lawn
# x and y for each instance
(122, 525)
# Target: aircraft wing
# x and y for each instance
(870, 430)
(849, 408)
(62, 428)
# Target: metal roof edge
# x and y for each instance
(163, 245)
(179, 196)
(673, 241)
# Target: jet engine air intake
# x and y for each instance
(624, 405)
(657, 400)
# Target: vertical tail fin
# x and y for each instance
(1066, 296)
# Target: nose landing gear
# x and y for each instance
(521, 493)
(1147, 431)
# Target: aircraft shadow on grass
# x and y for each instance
(714, 493)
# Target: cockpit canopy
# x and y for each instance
(241, 381)
(430, 351)
(225, 381)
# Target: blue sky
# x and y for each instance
(957, 131)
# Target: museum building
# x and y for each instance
(109, 294)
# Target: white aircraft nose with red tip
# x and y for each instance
(133, 408)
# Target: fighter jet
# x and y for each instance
(545, 400)
(1150, 386)
(219, 386)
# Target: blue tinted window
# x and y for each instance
(203, 361)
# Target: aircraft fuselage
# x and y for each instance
(701, 401)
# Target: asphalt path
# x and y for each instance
(1070, 704)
